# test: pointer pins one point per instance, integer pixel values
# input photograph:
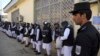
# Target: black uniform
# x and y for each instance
(87, 41)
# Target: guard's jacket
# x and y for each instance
(87, 41)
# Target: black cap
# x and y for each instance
(82, 6)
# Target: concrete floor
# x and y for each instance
(10, 47)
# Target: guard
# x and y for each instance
(87, 40)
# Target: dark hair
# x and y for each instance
(64, 24)
(56, 24)
(87, 12)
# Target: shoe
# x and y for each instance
(49, 55)
(18, 40)
(45, 54)
(22, 42)
(38, 53)
(26, 45)
(35, 51)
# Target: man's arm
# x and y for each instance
(66, 34)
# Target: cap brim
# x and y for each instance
(71, 11)
(74, 11)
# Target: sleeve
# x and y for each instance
(53, 35)
(9, 27)
(14, 26)
(21, 28)
(83, 45)
(32, 31)
(26, 30)
(66, 34)
(37, 36)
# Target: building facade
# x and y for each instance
(39, 10)
(43, 10)
(20, 10)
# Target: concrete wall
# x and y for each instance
(26, 9)
(94, 8)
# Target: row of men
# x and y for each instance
(32, 33)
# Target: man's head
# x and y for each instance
(46, 24)
(56, 25)
(81, 13)
(64, 24)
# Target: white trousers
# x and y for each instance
(0, 28)
(26, 40)
(14, 34)
(47, 47)
(38, 46)
(9, 33)
(4, 30)
(21, 37)
(33, 43)
(59, 51)
(67, 50)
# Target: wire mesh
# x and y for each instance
(53, 10)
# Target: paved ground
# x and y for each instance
(10, 47)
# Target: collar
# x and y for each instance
(83, 27)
